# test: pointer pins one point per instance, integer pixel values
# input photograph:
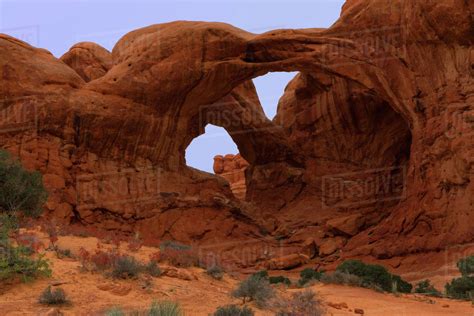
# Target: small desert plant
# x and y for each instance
(466, 266)
(302, 303)
(29, 240)
(254, 288)
(308, 275)
(216, 272)
(425, 287)
(53, 297)
(375, 275)
(341, 278)
(21, 193)
(115, 311)
(279, 279)
(152, 269)
(261, 274)
(126, 267)
(233, 310)
(103, 260)
(463, 287)
(165, 308)
(17, 261)
(20, 190)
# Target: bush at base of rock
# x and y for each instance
(341, 278)
(279, 279)
(463, 287)
(53, 297)
(254, 288)
(425, 287)
(466, 265)
(21, 191)
(117, 265)
(21, 194)
(233, 310)
(375, 275)
(308, 275)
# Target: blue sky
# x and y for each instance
(57, 25)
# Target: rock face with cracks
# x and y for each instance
(232, 168)
(372, 145)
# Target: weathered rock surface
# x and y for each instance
(287, 262)
(89, 60)
(378, 127)
(232, 168)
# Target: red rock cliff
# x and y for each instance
(232, 168)
(371, 151)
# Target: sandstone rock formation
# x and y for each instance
(232, 168)
(376, 129)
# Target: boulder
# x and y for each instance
(287, 262)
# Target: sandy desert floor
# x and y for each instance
(93, 294)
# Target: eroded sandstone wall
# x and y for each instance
(388, 87)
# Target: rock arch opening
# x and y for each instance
(270, 88)
(214, 151)
(214, 141)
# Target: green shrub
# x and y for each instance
(20, 190)
(216, 272)
(461, 288)
(263, 274)
(152, 269)
(115, 311)
(126, 267)
(425, 287)
(165, 308)
(17, 261)
(161, 308)
(308, 275)
(341, 278)
(466, 266)
(302, 303)
(233, 310)
(279, 279)
(375, 275)
(254, 288)
(53, 297)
